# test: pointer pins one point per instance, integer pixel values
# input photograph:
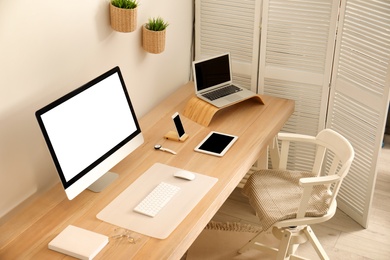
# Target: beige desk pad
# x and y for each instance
(120, 211)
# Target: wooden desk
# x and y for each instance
(27, 234)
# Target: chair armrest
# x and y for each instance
(308, 185)
(296, 137)
(311, 181)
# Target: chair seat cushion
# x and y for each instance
(276, 194)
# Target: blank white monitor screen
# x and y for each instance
(90, 130)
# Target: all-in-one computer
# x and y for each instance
(89, 130)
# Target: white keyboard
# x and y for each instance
(157, 199)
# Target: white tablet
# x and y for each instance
(216, 143)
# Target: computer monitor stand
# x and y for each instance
(103, 182)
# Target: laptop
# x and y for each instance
(213, 82)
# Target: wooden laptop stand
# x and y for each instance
(202, 112)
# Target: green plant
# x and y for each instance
(125, 4)
(156, 24)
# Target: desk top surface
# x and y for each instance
(27, 234)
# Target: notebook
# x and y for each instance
(214, 83)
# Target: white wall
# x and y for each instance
(50, 48)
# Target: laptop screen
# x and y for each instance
(212, 72)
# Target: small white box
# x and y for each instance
(78, 242)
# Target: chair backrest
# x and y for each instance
(334, 156)
(340, 155)
(327, 140)
(337, 146)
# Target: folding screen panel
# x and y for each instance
(230, 26)
(359, 96)
(296, 56)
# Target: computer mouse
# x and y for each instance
(189, 176)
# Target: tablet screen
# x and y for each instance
(216, 143)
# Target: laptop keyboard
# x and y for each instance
(221, 92)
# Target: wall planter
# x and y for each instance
(153, 41)
(123, 19)
(153, 35)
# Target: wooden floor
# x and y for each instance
(341, 237)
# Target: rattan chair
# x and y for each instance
(287, 201)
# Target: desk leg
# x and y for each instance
(262, 162)
(272, 153)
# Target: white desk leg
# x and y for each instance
(274, 153)
(262, 162)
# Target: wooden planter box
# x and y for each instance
(123, 20)
(153, 41)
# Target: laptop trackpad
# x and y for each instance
(233, 98)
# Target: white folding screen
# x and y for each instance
(230, 26)
(340, 83)
(359, 96)
(291, 59)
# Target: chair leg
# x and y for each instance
(255, 243)
(290, 239)
(316, 243)
(285, 245)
